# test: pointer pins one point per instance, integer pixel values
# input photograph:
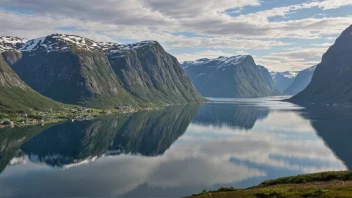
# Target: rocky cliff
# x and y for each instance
(15, 95)
(150, 74)
(264, 72)
(76, 70)
(331, 82)
(228, 77)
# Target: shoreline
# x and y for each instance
(88, 114)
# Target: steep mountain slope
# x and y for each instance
(150, 74)
(331, 82)
(301, 81)
(264, 72)
(283, 80)
(76, 70)
(15, 95)
(72, 70)
(229, 77)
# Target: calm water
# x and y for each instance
(175, 152)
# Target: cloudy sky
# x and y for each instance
(282, 35)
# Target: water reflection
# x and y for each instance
(144, 133)
(163, 154)
(220, 114)
(334, 126)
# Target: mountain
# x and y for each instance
(76, 70)
(332, 82)
(283, 80)
(301, 81)
(264, 72)
(150, 74)
(228, 77)
(15, 95)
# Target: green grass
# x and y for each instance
(15, 96)
(15, 99)
(301, 179)
(326, 184)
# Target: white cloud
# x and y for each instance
(213, 28)
(323, 44)
(292, 60)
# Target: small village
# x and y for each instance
(36, 117)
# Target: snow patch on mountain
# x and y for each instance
(231, 61)
(64, 42)
(288, 74)
(32, 44)
(114, 48)
(60, 42)
(291, 74)
(219, 62)
(11, 43)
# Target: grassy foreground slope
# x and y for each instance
(327, 184)
(15, 95)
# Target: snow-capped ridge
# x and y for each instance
(221, 61)
(65, 42)
(287, 74)
(60, 42)
(11, 43)
(113, 48)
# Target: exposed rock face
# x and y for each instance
(233, 77)
(15, 95)
(301, 81)
(72, 70)
(283, 80)
(264, 72)
(76, 70)
(152, 75)
(332, 82)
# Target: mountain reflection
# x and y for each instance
(240, 116)
(334, 126)
(143, 133)
(12, 139)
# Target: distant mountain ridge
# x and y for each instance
(301, 81)
(331, 82)
(77, 70)
(228, 77)
(283, 80)
(11, 43)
